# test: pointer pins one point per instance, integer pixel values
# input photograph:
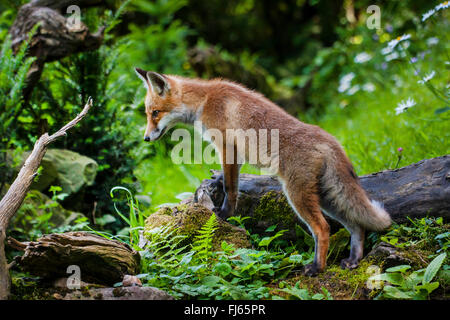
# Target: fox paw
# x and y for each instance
(311, 270)
(349, 264)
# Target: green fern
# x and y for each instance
(203, 242)
(13, 73)
(165, 246)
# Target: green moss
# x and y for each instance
(274, 207)
(24, 289)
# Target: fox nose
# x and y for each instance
(147, 138)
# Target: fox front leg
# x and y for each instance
(230, 176)
(230, 188)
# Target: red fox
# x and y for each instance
(313, 168)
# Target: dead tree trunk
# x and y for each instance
(13, 199)
(418, 190)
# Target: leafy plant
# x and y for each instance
(13, 73)
(197, 271)
(296, 292)
(418, 232)
(416, 285)
(135, 218)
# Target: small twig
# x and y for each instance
(93, 212)
(62, 131)
(15, 244)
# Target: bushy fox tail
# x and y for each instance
(345, 199)
(378, 219)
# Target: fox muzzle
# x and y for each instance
(155, 134)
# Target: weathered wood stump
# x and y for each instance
(100, 260)
(418, 190)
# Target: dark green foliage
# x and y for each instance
(13, 72)
(103, 135)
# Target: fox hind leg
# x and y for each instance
(356, 247)
(357, 234)
(306, 205)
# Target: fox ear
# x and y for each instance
(158, 82)
(143, 75)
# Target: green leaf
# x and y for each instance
(55, 189)
(223, 268)
(433, 268)
(317, 296)
(395, 293)
(441, 110)
(211, 281)
(265, 241)
(103, 220)
(402, 268)
(429, 287)
(392, 278)
(296, 258)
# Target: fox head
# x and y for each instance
(163, 105)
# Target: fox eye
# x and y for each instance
(155, 113)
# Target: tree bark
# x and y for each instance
(13, 199)
(418, 190)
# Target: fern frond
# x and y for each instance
(203, 242)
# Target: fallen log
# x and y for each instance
(418, 190)
(100, 261)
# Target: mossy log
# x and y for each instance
(100, 260)
(418, 190)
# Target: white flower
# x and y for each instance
(393, 43)
(428, 77)
(386, 50)
(443, 5)
(362, 57)
(369, 87)
(345, 82)
(428, 14)
(392, 56)
(432, 41)
(348, 77)
(353, 90)
(404, 105)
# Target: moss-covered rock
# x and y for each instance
(67, 169)
(391, 256)
(189, 218)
